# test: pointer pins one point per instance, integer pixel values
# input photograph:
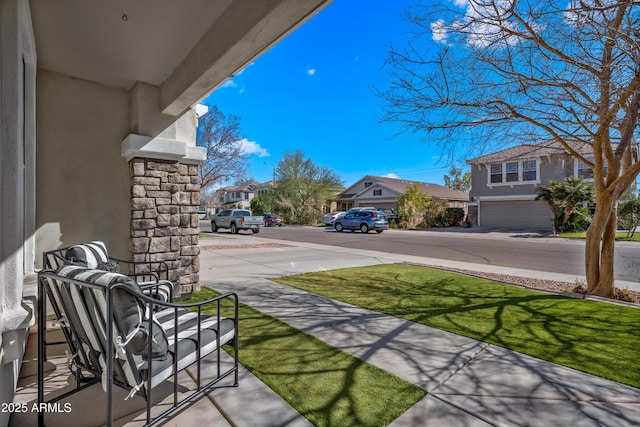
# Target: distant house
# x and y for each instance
(503, 184)
(382, 192)
(238, 195)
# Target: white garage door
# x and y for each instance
(516, 214)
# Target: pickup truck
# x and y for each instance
(235, 220)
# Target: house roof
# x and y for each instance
(399, 186)
(250, 186)
(529, 151)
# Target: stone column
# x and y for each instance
(165, 198)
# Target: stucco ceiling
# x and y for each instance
(120, 42)
(186, 48)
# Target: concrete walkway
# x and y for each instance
(470, 383)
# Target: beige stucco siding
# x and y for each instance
(83, 189)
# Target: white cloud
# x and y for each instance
(439, 31)
(480, 23)
(391, 175)
(251, 147)
(311, 72)
(229, 83)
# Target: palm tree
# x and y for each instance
(550, 193)
(563, 198)
(574, 192)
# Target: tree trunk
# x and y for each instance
(599, 249)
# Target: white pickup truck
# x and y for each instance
(235, 220)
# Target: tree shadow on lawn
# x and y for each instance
(591, 336)
(326, 385)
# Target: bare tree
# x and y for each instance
(222, 137)
(507, 71)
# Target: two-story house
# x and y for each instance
(382, 192)
(503, 184)
(238, 195)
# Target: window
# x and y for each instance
(512, 171)
(529, 170)
(377, 192)
(368, 184)
(246, 196)
(496, 173)
(584, 171)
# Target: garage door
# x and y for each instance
(516, 214)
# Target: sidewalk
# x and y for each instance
(469, 383)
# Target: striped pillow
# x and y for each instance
(89, 255)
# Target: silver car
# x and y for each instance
(331, 217)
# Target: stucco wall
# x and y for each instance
(17, 142)
(83, 190)
(557, 167)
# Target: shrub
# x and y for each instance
(579, 220)
(624, 295)
(454, 216)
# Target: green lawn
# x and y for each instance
(595, 337)
(620, 235)
(327, 386)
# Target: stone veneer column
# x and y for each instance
(165, 198)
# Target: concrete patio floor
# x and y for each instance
(470, 383)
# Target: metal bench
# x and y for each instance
(146, 341)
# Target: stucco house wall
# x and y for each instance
(18, 61)
(83, 184)
(513, 204)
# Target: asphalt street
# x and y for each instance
(528, 249)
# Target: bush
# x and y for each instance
(454, 216)
(624, 295)
(579, 220)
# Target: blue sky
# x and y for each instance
(313, 92)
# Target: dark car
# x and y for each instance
(363, 220)
(271, 220)
(391, 213)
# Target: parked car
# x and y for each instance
(236, 219)
(331, 217)
(391, 213)
(363, 208)
(271, 220)
(363, 220)
(203, 214)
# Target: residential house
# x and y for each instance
(97, 103)
(503, 184)
(382, 192)
(237, 195)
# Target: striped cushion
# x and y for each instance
(187, 334)
(89, 255)
(129, 311)
(132, 321)
(160, 290)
